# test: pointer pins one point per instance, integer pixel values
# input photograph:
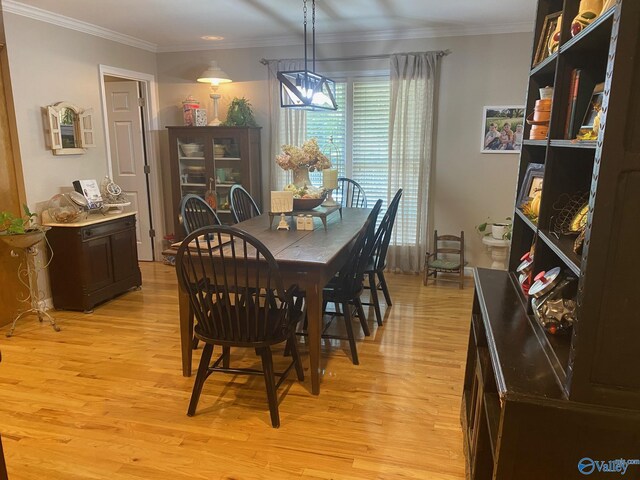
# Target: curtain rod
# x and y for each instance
(441, 53)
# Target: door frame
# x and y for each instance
(151, 141)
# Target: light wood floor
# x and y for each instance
(105, 398)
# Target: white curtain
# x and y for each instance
(287, 125)
(414, 80)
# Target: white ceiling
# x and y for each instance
(174, 25)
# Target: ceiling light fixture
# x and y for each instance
(212, 37)
(214, 75)
(305, 89)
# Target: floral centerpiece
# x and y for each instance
(301, 161)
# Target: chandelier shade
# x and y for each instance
(306, 89)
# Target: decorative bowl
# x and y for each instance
(192, 149)
(306, 203)
(24, 240)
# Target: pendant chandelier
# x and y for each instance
(305, 89)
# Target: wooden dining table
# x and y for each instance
(307, 258)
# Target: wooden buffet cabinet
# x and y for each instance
(542, 406)
(220, 157)
(93, 260)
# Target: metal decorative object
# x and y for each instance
(306, 89)
(571, 218)
(553, 312)
(27, 245)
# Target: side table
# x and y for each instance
(499, 250)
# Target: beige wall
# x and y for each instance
(50, 64)
(482, 70)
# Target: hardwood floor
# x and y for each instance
(105, 398)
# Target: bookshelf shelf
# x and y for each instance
(574, 144)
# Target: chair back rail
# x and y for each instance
(350, 193)
(383, 234)
(243, 206)
(196, 213)
(235, 288)
(351, 275)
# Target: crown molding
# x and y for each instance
(35, 13)
(279, 41)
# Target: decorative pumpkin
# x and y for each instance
(587, 13)
(554, 39)
(607, 4)
(535, 203)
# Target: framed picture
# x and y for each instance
(502, 129)
(531, 183)
(594, 106)
(548, 27)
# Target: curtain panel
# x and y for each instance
(414, 83)
(287, 125)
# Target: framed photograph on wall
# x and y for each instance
(548, 28)
(531, 183)
(502, 129)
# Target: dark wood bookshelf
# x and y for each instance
(578, 392)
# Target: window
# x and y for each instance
(360, 131)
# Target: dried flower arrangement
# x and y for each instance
(308, 156)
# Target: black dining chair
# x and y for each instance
(224, 270)
(377, 261)
(196, 213)
(243, 206)
(346, 287)
(350, 194)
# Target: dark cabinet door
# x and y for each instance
(98, 269)
(125, 256)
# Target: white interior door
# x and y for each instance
(126, 139)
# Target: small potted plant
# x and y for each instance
(240, 114)
(498, 230)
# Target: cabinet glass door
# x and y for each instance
(229, 168)
(192, 165)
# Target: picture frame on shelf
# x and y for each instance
(502, 129)
(548, 27)
(531, 183)
(591, 123)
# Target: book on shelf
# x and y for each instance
(571, 104)
(580, 91)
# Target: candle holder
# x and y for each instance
(330, 183)
(329, 201)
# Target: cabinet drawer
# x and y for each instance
(103, 229)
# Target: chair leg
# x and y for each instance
(226, 359)
(385, 288)
(270, 383)
(361, 316)
(194, 343)
(293, 348)
(201, 376)
(352, 339)
(461, 278)
(374, 297)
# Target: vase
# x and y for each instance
(301, 177)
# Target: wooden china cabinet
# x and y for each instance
(543, 406)
(213, 157)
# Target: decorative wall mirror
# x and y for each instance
(70, 128)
